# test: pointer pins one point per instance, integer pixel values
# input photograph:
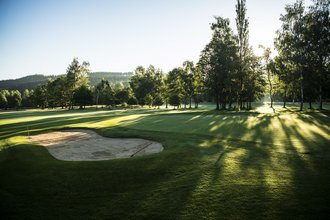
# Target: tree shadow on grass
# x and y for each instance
(214, 165)
(268, 162)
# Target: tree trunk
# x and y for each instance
(301, 93)
(224, 105)
(320, 97)
(310, 104)
(270, 88)
(217, 100)
(271, 102)
(230, 100)
(97, 98)
(284, 99)
(237, 105)
(190, 99)
(293, 98)
(196, 102)
(166, 105)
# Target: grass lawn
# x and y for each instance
(215, 165)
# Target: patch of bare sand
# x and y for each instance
(86, 145)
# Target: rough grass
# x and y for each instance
(227, 165)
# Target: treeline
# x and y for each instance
(148, 86)
(228, 72)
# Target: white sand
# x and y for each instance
(86, 145)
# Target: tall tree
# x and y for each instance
(290, 43)
(188, 81)
(242, 25)
(76, 75)
(219, 63)
(317, 34)
(285, 71)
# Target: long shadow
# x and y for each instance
(215, 170)
(309, 176)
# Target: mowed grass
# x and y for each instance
(216, 165)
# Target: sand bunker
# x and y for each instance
(86, 145)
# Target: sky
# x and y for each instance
(42, 37)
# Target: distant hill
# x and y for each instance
(112, 77)
(32, 81)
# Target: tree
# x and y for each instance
(284, 71)
(290, 44)
(175, 100)
(61, 92)
(100, 89)
(317, 35)
(158, 101)
(39, 97)
(83, 96)
(159, 88)
(149, 99)
(242, 25)
(267, 68)
(122, 96)
(76, 75)
(303, 45)
(254, 80)
(175, 87)
(147, 84)
(14, 99)
(109, 96)
(219, 62)
(141, 84)
(119, 86)
(3, 100)
(57, 92)
(189, 70)
(198, 85)
(26, 98)
(166, 92)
